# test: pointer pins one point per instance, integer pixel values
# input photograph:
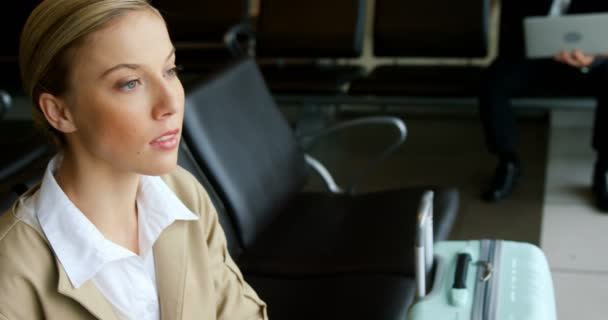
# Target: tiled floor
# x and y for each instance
(574, 234)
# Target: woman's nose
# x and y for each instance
(167, 99)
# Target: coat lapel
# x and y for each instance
(170, 262)
(87, 295)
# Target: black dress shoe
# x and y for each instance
(504, 181)
(600, 188)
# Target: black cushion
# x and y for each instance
(252, 155)
(323, 234)
(382, 297)
(435, 28)
(201, 20)
(308, 29)
(186, 161)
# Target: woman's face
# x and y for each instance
(124, 96)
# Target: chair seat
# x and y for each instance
(433, 81)
(383, 297)
(327, 234)
(310, 78)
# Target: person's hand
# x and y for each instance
(575, 58)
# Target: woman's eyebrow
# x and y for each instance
(170, 53)
(131, 66)
(120, 66)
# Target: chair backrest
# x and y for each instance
(201, 20)
(186, 161)
(310, 29)
(245, 146)
(435, 28)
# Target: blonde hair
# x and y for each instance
(50, 35)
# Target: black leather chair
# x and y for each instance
(293, 36)
(438, 29)
(245, 147)
(338, 296)
(207, 34)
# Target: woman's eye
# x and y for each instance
(173, 71)
(129, 85)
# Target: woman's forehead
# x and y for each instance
(137, 37)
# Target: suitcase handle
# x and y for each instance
(462, 269)
(459, 294)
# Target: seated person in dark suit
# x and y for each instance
(511, 74)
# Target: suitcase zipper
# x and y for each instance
(486, 289)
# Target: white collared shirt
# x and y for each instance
(127, 280)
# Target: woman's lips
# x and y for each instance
(168, 141)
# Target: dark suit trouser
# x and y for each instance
(510, 78)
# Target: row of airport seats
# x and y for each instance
(401, 29)
(297, 44)
(307, 50)
(320, 255)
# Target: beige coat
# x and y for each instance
(196, 278)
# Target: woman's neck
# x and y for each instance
(106, 196)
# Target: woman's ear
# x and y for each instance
(56, 113)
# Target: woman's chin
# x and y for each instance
(158, 167)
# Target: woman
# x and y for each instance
(103, 236)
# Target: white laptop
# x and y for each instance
(546, 36)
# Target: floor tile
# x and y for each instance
(568, 180)
(572, 118)
(574, 237)
(581, 295)
(570, 141)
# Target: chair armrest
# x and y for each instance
(324, 174)
(5, 103)
(231, 39)
(309, 140)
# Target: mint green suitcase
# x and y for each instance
(496, 280)
(480, 279)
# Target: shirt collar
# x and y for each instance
(80, 246)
